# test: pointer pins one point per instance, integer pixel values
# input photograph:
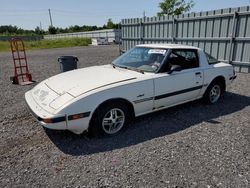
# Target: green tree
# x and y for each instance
(38, 30)
(14, 30)
(52, 30)
(174, 7)
(110, 24)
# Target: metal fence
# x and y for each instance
(224, 33)
(113, 35)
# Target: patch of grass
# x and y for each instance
(47, 44)
(4, 46)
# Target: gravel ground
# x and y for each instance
(191, 145)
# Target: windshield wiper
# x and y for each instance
(129, 68)
(134, 69)
(114, 66)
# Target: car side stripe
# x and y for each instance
(143, 100)
(177, 92)
(168, 94)
(52, 120)
(58, 119)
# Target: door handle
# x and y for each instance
(198, 73)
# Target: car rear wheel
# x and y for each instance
(109, 119)
(213, 93)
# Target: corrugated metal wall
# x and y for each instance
(224, 33)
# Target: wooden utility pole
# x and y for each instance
(51, 24)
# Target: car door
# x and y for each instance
(179, 86)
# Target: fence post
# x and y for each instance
(232, 39)
(141, 31)
(174, 30)
(120, 37)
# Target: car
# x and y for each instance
(150, 77)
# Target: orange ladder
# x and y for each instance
(21, 71)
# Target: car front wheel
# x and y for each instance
(109, 119)
(113, 121)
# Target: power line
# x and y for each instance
(94, 14)
(91, 12)
(20, 14)
(22, 10)
(113, 13)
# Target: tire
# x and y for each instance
(109, 119)
(214, 92)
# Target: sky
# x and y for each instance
(28, 14)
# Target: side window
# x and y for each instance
(185, 58)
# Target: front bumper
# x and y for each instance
(233, 77)
(45, 118)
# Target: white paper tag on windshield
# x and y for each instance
(156, 51)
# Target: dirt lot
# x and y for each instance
(192, 145)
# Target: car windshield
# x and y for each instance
(142, 59)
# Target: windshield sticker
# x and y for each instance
(156, 51)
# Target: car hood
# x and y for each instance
(83, 80)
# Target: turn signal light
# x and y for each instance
(77, 116)
(47, 120)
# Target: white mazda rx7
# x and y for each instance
(145, 79)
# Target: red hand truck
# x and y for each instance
(21, 71)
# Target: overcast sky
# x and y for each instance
(28, 14)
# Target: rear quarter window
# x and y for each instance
(211, 60)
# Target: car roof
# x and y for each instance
(168, 46)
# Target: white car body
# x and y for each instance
(67, 101)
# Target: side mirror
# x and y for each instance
(175, 68)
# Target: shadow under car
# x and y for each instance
(150, 126)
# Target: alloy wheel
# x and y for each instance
(215, 93)
(113, 121)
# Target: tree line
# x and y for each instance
(14, 30)
(84, 28)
